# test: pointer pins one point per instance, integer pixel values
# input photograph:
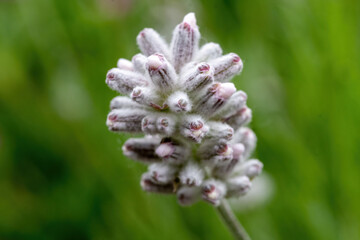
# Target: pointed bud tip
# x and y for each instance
(155, 61)
(226, 90)
(190, 19)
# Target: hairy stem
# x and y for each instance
(231, 221)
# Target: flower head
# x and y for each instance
(196, 142)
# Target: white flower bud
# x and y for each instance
(162, 173)
(172, 151)
(247, 137)
(191, 174)
(148, 185)
(125, 120)
(213, 154)
(166, 124)
(213, 191)
(150, 42)
(223, 171)
(235, 103)
(219, 131)
(193, 127)
(148, 97)
(124, 102)
(214, 98)
(125, 64)
(139, 63)
(185, 41)
(179, 102)
(238, 186)
(197, 77)
(188, 195)
(251, 168)
(142, 149)
(240, 118)
(161, 72)
(226, 67)
(208, 51)
(148, 124)
(124, 81)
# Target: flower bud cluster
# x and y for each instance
(197, 143)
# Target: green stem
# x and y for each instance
(231, 221)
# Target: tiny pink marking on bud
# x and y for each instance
(222, 148)
(209, 188)
(204, 68)
(182, 104)
(196, 125)
(187, 26)
(142, 34)
(127, 147)
(136, 93)
(112, 117)
(110, 76)
(164, 122)
(155, 61)
(145, 122)
(236, 58)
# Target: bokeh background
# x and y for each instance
(62, 174)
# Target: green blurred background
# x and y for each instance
(62, 174)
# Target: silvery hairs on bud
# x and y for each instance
(197, 141)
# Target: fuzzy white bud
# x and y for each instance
(139, 63)
(213, 191)
(162, 173)
(247, 137)
(214, 98)
(124, 81)
(226, 67)
(191, 175)
(125, 64)
(240, 118)
(148, 185)
(179, 102)
(193, 127)
(238, 186)
(197, 77)
(251, 168)
(208, 51)
(185, 41)
(125, 120)
(150, 42)
(161, 72)
(142, 149)
(124, 102)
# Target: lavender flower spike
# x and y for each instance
(197, 140)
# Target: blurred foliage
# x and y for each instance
(62, 174)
